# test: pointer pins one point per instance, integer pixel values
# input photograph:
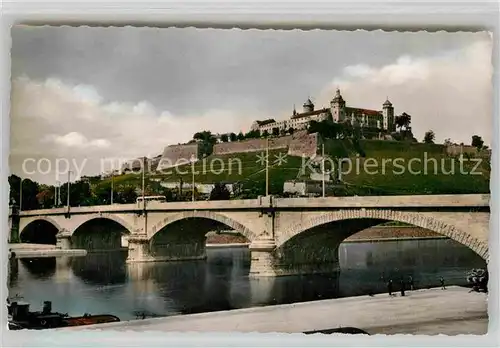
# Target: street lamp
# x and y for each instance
(21, 195)
(67, 194)
(192, 177)
(143, 179)
(58, 193)
(323, 167)
(267, 166)
(112, 186)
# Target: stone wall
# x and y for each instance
(304, 144)
(251, 145)
(299, 144)
(455, 150)
(174, 155)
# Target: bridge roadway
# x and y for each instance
(427, 312)
(286, 235)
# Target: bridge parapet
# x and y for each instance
(409, 201)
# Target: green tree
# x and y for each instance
(290, 130)
(232, 137)
(219, 192)
(253, 134)
(30, 191)
(224, 138)
(240, 136)
(14, 183)
(265, 133)
(403, 120)
(276, 132)
(429, 137)
(477, 142)
(126, 194)
(45, 197)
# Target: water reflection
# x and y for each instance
(104, 282)
(40, 267)
(101, 268)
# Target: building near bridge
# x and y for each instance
(307, 188)
(337, 112)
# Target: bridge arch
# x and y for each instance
(112, 217)
(100, 232)
(378, 216)
(40, 229)
(202, 214)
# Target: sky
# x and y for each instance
(82, 94)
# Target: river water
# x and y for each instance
(104, 283)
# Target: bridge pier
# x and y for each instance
(63, 240)
(138, 249)
(315, 254)
(141, 249)
(262, 258)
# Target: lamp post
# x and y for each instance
(192, 178)
(143, 179)
(58, 193)
(323, 166)
(21, 195)
(67, 195)
(112, 186)
(267, 166)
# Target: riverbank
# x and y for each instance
(28, 250)
(373, 234)
(429, 312)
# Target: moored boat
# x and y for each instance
(20, 318)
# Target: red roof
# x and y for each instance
(364, 111)
(305, 114)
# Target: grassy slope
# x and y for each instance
(244, 168)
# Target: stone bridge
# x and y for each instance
(287, 235)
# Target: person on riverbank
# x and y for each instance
(441, 280)
(411, 283)
(389, 287)
(403, 286)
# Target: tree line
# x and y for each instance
(95, 191)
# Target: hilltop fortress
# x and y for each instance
(337, 112)
(298, 142)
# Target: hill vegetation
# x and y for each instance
(377, 167)
(426, 170)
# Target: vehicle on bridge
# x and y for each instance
(161, 199)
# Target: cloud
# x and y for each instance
(450, 93)
(51, 119)
(75, 139)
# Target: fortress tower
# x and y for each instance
(388, 116)
(308, 106)
(337, 106)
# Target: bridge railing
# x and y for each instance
(423, 201)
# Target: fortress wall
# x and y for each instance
(299, 144)
(304, 144)
(178, 154)
(251, 145)
(455, 150)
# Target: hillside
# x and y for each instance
(246, 169)
(444, 178)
